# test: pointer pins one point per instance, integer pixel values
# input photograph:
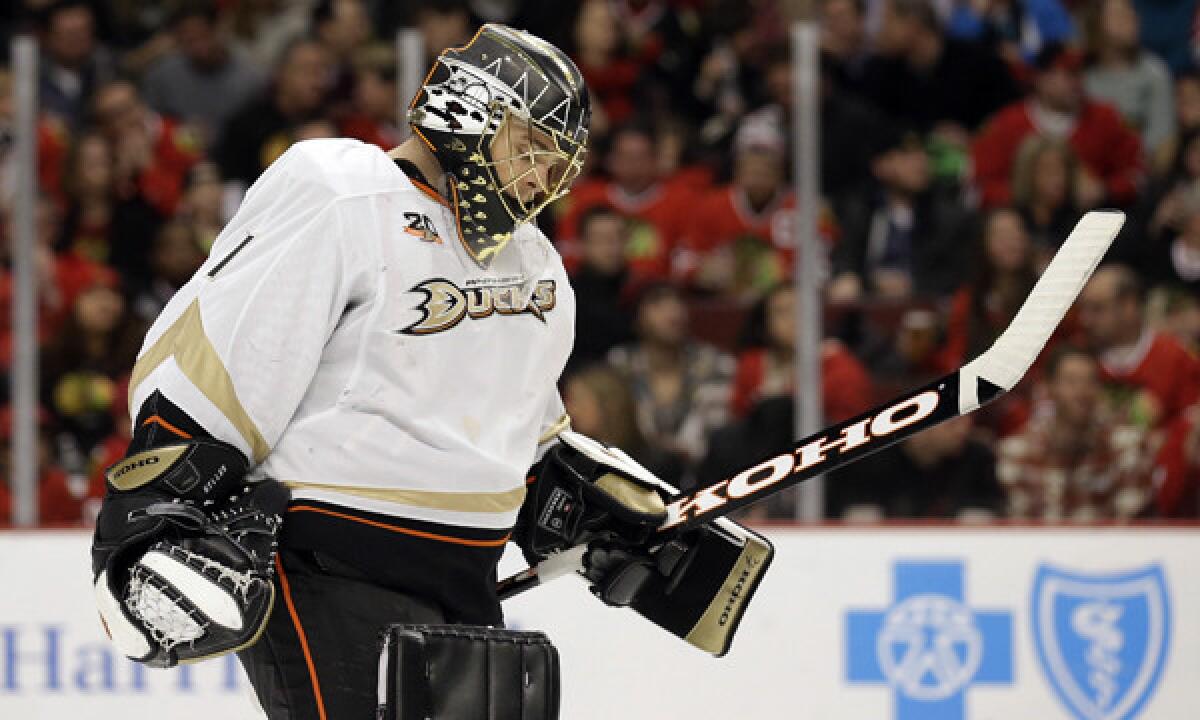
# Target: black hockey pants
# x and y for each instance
(318, 658)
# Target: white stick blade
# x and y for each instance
(1010, 357)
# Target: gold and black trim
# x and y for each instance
(194, 354)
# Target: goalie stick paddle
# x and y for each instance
(980, 381)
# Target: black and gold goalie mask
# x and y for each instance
(507, 117)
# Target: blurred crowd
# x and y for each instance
(960, 141)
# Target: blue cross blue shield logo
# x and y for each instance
(1102, 638)
(930, 646)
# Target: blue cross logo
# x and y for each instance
(929, 646)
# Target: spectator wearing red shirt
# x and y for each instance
(1177, 467)
(657, 208)
(100, 224)
(1148, 371)
(61, 277)
(1075, 461)
(153, 152)
(1110, 153)
(738, 239)
(53, 139)
(769, 370)
(611, 75)
(83, 364)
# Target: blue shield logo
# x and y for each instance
(1102, 638)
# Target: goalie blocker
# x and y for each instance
(594, 509)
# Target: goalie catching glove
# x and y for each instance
(695, 585)
(182, 554)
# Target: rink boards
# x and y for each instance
(868, 623)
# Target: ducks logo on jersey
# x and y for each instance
(445, 304)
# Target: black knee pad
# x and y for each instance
(467, 672)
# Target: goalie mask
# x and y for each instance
(507, 116)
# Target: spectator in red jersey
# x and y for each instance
(1074, 461)
(1149, 373)
(1110, 154)
(372, 114)
(83, 363)
(1045, 192)
(738, 240)
(1177, 467)
(1176, 311)
(657, 208)
(153, 153)
(665, 42)
(53, 139)
(611, 75)
(681, 386)
(905, 239)
(58, 503)
(768, 368)
(101, 225)
(602, 287)
(61, 277)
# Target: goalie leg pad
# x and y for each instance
(448, 672)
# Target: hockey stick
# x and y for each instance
(980, 381)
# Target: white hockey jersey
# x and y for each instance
(342, 337)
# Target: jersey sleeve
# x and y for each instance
(238, 345)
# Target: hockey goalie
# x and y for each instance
(351, 409)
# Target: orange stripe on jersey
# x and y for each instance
(159, 421)
(312, 670)
(429, 191)
(499, 542)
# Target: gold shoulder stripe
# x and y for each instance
(187, 342)
(478, 502)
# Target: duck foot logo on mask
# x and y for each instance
(1102, 637)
